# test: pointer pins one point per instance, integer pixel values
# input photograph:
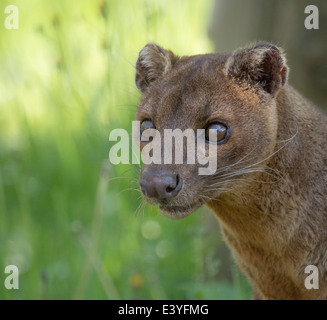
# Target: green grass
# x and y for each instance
(67, 80)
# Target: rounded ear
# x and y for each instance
(152, 63)
(262, 65)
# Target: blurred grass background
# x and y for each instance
(67, 80)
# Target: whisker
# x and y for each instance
(129, 189)
(118, 178)
(282, 147)
(137, 211)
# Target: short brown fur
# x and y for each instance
(270, 190)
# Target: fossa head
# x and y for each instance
(231, 96)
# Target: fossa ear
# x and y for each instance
(152, 63)
(262, 65)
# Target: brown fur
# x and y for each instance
(270, 189)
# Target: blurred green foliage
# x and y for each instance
(66, 80)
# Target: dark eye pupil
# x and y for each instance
(220, 131)
(146, 124)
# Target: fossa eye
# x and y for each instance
(145, 125)
(219, 132)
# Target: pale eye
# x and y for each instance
(219, 132)
(145, 125)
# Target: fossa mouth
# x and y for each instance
(178, 212)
